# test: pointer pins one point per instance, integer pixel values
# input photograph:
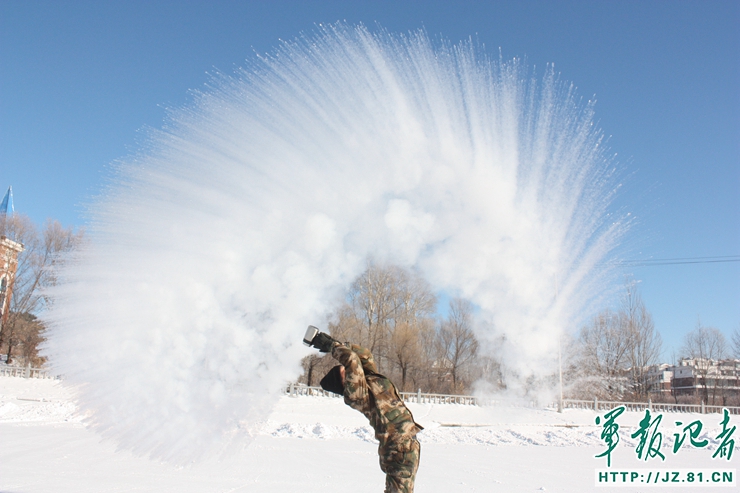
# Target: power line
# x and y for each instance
(678, 261)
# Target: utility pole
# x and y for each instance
(560, 370)
(560, 357)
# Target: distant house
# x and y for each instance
(9, 251)
(659, 379)
(685, 379)
(711, 380)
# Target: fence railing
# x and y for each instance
(425, 398)
(595, 404)
(302, 390)
(469, 400)
(662, 407)
(24, 371)
(417, 397)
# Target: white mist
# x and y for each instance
(252, 209)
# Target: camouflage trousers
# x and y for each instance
(399, 461)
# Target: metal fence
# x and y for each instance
(662, 407)
(25, 372)
(424, 398)
(302, 390)
(417, 397)
(469, 400)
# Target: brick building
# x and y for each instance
(9, 251)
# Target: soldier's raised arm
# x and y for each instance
(366, 358)
(356, 393)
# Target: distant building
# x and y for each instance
(659, 379)
(6, 206)
(685, 379)
(9, 251)
(710, 380)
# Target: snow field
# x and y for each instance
(315, 444)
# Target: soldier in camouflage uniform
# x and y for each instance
(376, 397)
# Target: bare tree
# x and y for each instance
(429, 373)
(736, 343)
(315, 367)
(644, 342)
(386, 309)
(580, 378)
(413, 317)
(602, 353)
(705, 345)
(28, 334)
(392, 311)
(43, 252)
(374, 301)
(405, 349)
(457, 340)
(615, 351)
(487, 371)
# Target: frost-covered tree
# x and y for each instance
(390, 310)
(601, 354)
(705, 345)
(43, 252)
(644, 343)
(458, 345)
(613, 353)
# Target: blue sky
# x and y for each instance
(80, 80)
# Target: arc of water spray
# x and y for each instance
(255, 206)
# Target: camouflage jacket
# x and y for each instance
(374, 395)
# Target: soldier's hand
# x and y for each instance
(323, 342)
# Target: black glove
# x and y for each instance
(323, 342)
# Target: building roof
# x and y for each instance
(6, 207)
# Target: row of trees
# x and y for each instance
(43, 250)
(612, 353)
(392, 311)
(707, 345)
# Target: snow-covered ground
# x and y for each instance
(317, 444)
